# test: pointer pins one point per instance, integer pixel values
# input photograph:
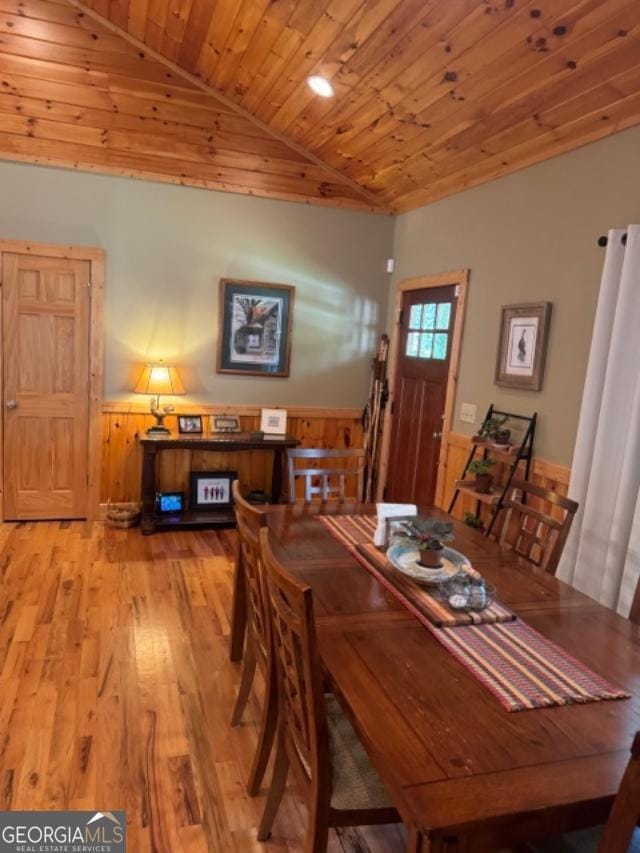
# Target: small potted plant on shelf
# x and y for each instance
(493, 430)
(428, 536)
(474, 521)
(481, 468)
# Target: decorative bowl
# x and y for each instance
(405, 558)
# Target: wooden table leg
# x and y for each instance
(148, 490)
(414, 842)
(419, 843)
(276, 477)
(238, 611)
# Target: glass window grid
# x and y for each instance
(428, 337)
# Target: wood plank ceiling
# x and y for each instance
(74, 94)
(432, 96)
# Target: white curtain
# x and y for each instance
(602, 555)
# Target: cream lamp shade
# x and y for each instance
(157, 379)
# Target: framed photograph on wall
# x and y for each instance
(524, 330)
(210, 489)
(254, 333)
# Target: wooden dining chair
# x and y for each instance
(332, 478)
(250, 521)
(634, 613)
(532, 533)
(314, 738)
(620, 833)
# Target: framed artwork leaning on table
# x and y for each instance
(210, 489)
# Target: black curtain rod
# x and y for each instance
(602, 241)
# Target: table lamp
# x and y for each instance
(157, 379)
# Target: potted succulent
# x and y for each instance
(481, 468)
(503, 437)
(428, 536)
(493, 430)
(473, 521)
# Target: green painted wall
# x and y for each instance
(529, 237)
(168, 246)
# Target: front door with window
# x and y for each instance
(420, 388)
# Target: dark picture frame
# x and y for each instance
(522, 348)
(254, 328)
(225, 423)
(216, 482)
(190, 424)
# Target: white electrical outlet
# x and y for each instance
(468, 413)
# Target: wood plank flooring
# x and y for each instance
(116, 690)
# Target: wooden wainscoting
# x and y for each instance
(549, 475)
(122, 423)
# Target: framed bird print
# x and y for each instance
(255, 327)
(524, 330)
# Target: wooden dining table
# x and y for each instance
(464, 773)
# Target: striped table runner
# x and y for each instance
(518, 665)
(356, 532)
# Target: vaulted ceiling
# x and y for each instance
(431, 96)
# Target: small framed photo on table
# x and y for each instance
(211, 489)
(225, 423)
(190, 424)
(524, 330)
(273, 421)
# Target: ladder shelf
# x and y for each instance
(512, 456)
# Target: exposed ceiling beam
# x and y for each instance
(374, 200)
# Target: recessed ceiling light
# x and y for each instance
(321, 86)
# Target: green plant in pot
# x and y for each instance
(428, 536)
(493, 430)
(481, 469)
(503, 437)
(474, 521)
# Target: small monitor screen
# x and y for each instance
(170, 502)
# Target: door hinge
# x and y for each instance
(393, 407)
(400, 316)
(457, 291)
(88, 284)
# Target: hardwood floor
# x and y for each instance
(116, 690)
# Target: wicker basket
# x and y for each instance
(121, 516)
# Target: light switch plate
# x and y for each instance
(468, 413)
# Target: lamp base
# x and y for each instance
(157, 429)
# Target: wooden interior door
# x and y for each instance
(45, 344)
(420, 387)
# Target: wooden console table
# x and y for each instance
(234, 442)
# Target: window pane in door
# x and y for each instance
(414, 316)
(443, 317)
(413, 339)
(440, 346)
(429, 315)
(426, 345)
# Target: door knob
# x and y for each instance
(437, 435)
(11, 404)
